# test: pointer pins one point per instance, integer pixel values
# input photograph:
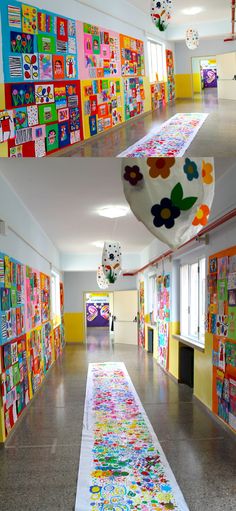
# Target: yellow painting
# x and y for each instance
(29, 19)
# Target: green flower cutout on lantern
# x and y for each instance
(169, 210)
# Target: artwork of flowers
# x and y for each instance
(22, 43)
(122, 465)
(22, 94)
(171, 196)
(31, 68)
(44, 94)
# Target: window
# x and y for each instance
(56, 308)
(152, 297)
(192, 300)
(156, 61)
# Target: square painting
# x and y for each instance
(74, 119)
(46, 44)
(52, 137)
(21, 118)
(29, 19)
(47, 113)
(58, 67)
(22, 94)
(71, 66)
(44, 94)
(64, 134)
(21, 42)
(62, 29)
(30, 67)
(45, 66)
(60, 97)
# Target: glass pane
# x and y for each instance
(193, 327)
(184, 299)
(202, 299)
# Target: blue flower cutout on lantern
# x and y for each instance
(169, 210)
(165, 213)
(190, 169)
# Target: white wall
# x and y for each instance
(207, 47)
(90, 261)
(76, 283)
(207, 29)
(41, 251)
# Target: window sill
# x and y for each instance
(190, 342)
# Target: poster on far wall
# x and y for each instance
(209, 78)
(97, 314)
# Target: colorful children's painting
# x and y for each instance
(112, 477)
(45, 66)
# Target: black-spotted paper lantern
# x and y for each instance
(101, 279)
(111, 260)
(192, 39)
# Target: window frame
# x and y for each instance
(160, 71)
(200, 338)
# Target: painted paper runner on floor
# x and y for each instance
(171, 139)
(122, 465)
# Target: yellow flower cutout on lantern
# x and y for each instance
(202, 215)
(207, 170)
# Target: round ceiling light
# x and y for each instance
(114, 211)
(98, 244)
(191, 11)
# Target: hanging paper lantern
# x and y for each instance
(192, 39)
(111, 260)
(161, 13)
(171, 197)
(101, 279)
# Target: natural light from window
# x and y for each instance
(156, 61)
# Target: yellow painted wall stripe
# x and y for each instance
(203, 372)
(74, 327)
(184, 86)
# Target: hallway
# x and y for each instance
(215, 138)
(39, 465)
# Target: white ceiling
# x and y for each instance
(64, 201)
(213, 10)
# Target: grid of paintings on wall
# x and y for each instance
(28, 343)
(102, 105)
(170, 75)
(132, 56)
(134, 95)
(158, 95)
(163, 318)
(222, 324)
(45, 57)
(100, 53)
(12, 303)
(43, 111)
(14, 381)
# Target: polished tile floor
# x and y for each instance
(39, 465)
(216, 137)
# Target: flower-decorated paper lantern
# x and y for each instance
(111, 260)
(101, 279)
(161, 13)
(171, 197)
(192, 39)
